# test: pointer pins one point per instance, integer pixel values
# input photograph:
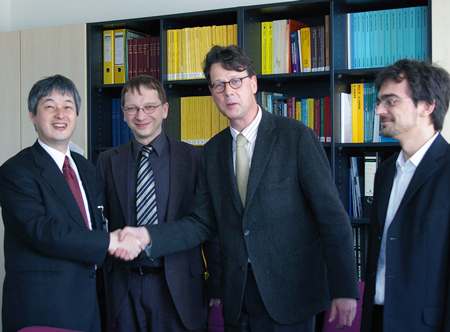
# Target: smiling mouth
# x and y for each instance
(60, 125)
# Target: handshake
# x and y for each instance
(129, 242)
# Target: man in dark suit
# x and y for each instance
(286, 240)
(407, 285)
(54, 244)
(166, 294)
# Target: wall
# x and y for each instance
(30, 14)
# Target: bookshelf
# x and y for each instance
(249, 20)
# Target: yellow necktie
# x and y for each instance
(242, 168)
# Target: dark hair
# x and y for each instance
(231, 58)
(135, 83)
(47, 85)
(427, 82)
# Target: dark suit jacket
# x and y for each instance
(50, 255)
(184, 271)
(294, 228)
(418, 246)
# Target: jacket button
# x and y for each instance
(242, 268)
(92, 275)
(247, 232)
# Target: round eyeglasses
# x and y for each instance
(235, 83)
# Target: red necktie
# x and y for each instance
(72, 180)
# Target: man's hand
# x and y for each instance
(346, 309)
(127, 248)
(138, 232)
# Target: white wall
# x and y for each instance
(30, 14)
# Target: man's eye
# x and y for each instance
(390, 102)
(149, 108)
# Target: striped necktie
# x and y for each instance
(145, 191)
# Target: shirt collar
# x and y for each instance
(417, 157)
(249, 132)
(56, 155)
(158, 144)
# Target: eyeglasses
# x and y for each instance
(388, 103)
(148, 109)
(235, 83)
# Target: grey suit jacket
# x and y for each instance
(185, 270)
(294, 228)
(50, 255)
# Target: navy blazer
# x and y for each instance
(418, 246)
(50, 254)
(184, 271)
(294, 228)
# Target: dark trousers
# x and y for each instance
(149, 307)
(377, 319)
(255, 318)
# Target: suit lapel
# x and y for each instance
(177, 183)
(54, 177)
(426, 168)
(120, 168)
(265, 142)
(385, 193)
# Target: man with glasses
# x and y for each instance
(265, 188)
(407, 284)
(151, 180)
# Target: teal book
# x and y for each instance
(371, 39)
(304, 111)
(387, 37)
(394, 49)
(406, 31)
(412, 32)
(400, 28)
(376, 49)
(425, 41)
(367, 39)
(380, 37)
(360, 42)
(418, 33)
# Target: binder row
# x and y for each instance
(187, 48)
(289, 46)
(127, 54)
(379, 38)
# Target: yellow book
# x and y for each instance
(310, 108)
(185, 52)
(201, 51)
(195, 53)
(208, 41)
(219, 32)
(175, 54)
(213, 35)
(201, 120)
(230, 36)
(207, 116)
(224, 35)
(357, 90)
(269, 48)
(235, 35)
(190, 120)
(298, 110)
(170, 54)
(183, 119)
(264, 60)
(108, 57)
(215, 116)
(180, 52)
(305, 44)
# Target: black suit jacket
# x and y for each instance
(294, 228)
(185, 270)
(50, 254)
(417, 287)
